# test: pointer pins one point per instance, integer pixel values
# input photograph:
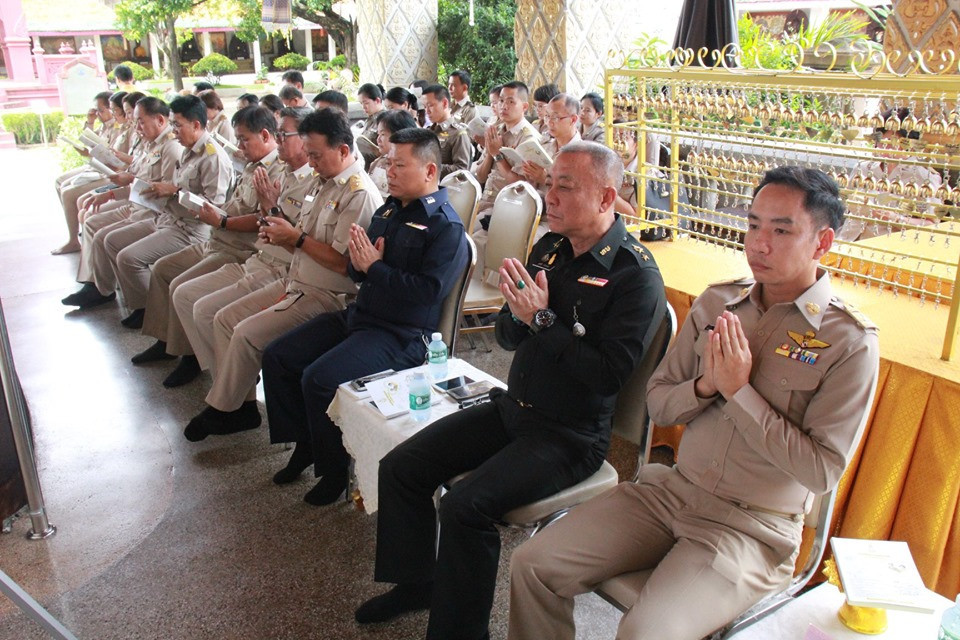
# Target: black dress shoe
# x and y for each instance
(134, 320)
(196, 430)
(331, 486)
(95, 299)
(301, 459)
(222, 423)
(186, 371)
(154, 353)
(74, 299)
(401, 599)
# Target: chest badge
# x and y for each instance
(418, 227)
(800, 349)
(591, 280)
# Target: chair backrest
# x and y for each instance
(464, 193)
(630, 415)
(452, 308)
(515, 216)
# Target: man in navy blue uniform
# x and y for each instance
(405, 263)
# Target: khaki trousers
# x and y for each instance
(244, 328)
(168, 273)
(70, 196)
(711, 560)
(91, 226)
(133, 260)
(197, 302)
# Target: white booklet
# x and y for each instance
(880, 573)
(73, 143)
(239, 162)
(137, 196)
(391, 397)
(100, 167)
(91, 139)
(104, 155)
(477, 127)
(367, 147)
(527, 151)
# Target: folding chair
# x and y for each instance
(464, 193)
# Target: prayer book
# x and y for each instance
(881, 574)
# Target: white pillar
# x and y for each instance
(255, 54)
(207, 45)
(308, 45)
(331, 48)
(154, 53)
(99, 47)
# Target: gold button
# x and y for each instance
(813, 308)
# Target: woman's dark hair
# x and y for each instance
(271, 102)
(250, 99)
(399, 95)
(396, 120)
(211, 99)
(371, 91)
(545, 93)
(595, 100)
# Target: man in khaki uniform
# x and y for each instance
(462, 108)
(317, 282)
(456, 150)
(774, 379)
(156, 163)
(232, 241)
(286, 198)
(204, 169)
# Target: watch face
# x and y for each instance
(544, 318)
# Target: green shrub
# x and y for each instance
(69, 158)
(215, 64)
(25, 127)
(485, 50)
(291, 61)
(140, 73)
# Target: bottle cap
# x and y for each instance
(437, 336)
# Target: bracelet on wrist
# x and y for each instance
(223, 221)
(301, 240)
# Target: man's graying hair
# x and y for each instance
(821, 194)
(607, 165)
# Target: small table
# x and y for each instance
(368, 436)
(819, 607)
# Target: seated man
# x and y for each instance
(773, 377)
(231, 326)
(456, 150)
(579, 317)
(293, 78)
(332, 99)
(292, 97)
(406, 264)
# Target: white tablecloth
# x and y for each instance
(819, 607)
(368, 436)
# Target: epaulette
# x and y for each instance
(356, 182)
(637, 250)
(862, 321)
(210, 149)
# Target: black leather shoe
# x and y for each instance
(74, 299)
(399, 600)
(301, 459)
(221, 423)
(154, 353)
(95, 299)
(134, 320)
(331, 486)
(186, 371)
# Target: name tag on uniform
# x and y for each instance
(418, 227)
(294, 201)
(309, 198)
(596, 282)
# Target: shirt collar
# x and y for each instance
(200, 143)
(811, 303)
(430, 203)
(345, 175)
(517, 128)
(266, 160)
(605, 250)
(162, 135)
(303, 171)
(464, 102)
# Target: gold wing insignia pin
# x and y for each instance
(807, 340)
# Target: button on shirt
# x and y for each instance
(425, 252)
(616, 293)
(790, 432)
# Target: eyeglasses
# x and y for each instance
(281, 135)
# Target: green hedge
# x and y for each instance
(291, 61)
(69, 158)
(140, 73)
(25, 127)
(215, 64)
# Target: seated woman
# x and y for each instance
(217, 120)
(388, 123)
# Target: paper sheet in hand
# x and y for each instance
(191, 201)
(527, 151)
(100, 167)
(880, 573)
(391, 397)
(367, 147)
(136, 196)
(91, 139)
(106, 156)
(228, 146)
(477, 127)
(73, 143)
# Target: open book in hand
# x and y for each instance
(367, 147)
(89, 138)
(104, 155)
(194, 203)
(99, 167)
(527, 151)
(477, 127)
(880, 573)
(137, 187)
(73, 143)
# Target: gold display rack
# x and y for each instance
(724, 125)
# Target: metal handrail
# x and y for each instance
(20, 423)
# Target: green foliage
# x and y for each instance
(215, 64)
(760, 49)
(291, 61)
(339, 62)
(26, 129)
(486, 50)
(140, 73)
(139, 18)
(838, 29)
(69, 158)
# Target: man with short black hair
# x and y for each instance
(462, 108)
(231, 240)
(201, 86)
(292, 97)
(773, 377)
(293, 78)
(406, 263)
(124, 78)
(331, 98)
(456, 151)
(580, 316)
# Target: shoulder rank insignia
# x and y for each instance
(210, 149)
(804, 342)
(643, 254)
(356, 183)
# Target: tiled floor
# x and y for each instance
(158, 537)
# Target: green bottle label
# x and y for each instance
(419, 402)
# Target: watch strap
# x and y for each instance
(301, 240)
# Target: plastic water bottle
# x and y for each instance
(950, 623)
(419, 397)
(437, 357)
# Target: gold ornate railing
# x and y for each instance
(724, 125)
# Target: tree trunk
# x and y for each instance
(176, 73)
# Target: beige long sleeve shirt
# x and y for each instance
(243, 202)
(295, 186)
(790, 432)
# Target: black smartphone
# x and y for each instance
(472, 390)
(453, 383)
